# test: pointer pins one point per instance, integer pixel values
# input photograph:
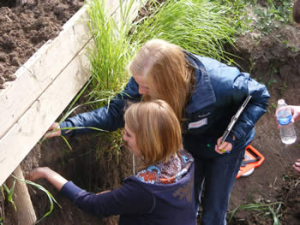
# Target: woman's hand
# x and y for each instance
(53, 131)
(224, 147)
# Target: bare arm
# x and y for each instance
(44, 172)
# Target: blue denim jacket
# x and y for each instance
(219, 91)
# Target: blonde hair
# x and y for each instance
(166, 72)
(156, 128)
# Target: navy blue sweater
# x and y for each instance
(139, 201)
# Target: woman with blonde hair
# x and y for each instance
(205, 94)
(162, 192)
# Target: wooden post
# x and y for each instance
(25, 213)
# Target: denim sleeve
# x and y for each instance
(243, 86)
(232, 87)
(130, 198)
(107, 118)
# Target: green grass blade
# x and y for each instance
(260, 208)
(49, 195)
(67, 143)
(10, 193)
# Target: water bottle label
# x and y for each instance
(284, 120)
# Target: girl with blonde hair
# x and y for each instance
(162, 192)
(205, 94)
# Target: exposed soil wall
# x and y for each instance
(89, 165)
(274, 61)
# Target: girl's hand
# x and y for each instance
(53, 131)
(45, 172)
(38, 173)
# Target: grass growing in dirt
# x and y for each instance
(271, 210)
(111, 52)
(265, 16)
(10, 194)
(109, 58)
(49, 196)
(200, 27)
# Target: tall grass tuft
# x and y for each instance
(111, 52)
(199, 26)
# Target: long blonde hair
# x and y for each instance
(156, 129)
(164, 68)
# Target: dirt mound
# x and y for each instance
(26, 27)
(274, 61)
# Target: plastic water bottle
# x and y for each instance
(284, 118)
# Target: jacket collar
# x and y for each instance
(203, 94)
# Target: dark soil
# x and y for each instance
(26, 27)
(275, 62)
(91, 164)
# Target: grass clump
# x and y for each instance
(264, 16)
(111, 51)
(41, 188)
(200, 27)
(271, 210)
(10, 194)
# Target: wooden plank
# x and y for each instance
(43, 67)
(22, 137)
